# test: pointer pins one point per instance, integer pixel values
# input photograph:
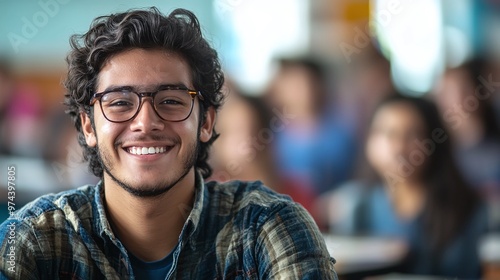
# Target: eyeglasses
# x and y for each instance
(171, 103)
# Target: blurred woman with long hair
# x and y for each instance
(468, 112)
(417, 193)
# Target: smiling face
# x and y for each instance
(146, 156)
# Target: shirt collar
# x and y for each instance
(102, 224)
(198, 205)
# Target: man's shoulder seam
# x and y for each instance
(49, 203)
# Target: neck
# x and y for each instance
(469, 133)
(408, 199)
(149, 227)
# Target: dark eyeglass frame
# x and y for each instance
(152, 94)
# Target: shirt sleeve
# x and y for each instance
(18, 250)
(290, 246)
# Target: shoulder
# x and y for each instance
(45, 210)
(275, 236)
(251, 204)
(486, 217)
(39, 231)
(349, 194)
(339, 208)
(239, 195)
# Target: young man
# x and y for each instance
(143, 90)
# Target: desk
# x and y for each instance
(359, 254)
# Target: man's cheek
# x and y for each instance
(104, 128)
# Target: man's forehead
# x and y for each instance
(149, 60)
(143, 68)
(144, 87)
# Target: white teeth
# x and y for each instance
(146, 150)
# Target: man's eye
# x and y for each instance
(171, 102)
(120, 103)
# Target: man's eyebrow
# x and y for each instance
(142, 88)
(180, 85)
(118, 88)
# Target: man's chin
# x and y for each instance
(141, 188)
(147, 191)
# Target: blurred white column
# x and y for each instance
(410, 33)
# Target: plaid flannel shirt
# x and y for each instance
(235, 230)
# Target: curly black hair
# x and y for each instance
(179, 32)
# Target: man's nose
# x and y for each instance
(147, 119)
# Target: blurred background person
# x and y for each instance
(20, 112)
(23, 122)
(242, 151)
(416, 193)
(467, 108)
(364, 82)
(314, 150)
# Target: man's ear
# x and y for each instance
(88, 130)
(207, 127)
